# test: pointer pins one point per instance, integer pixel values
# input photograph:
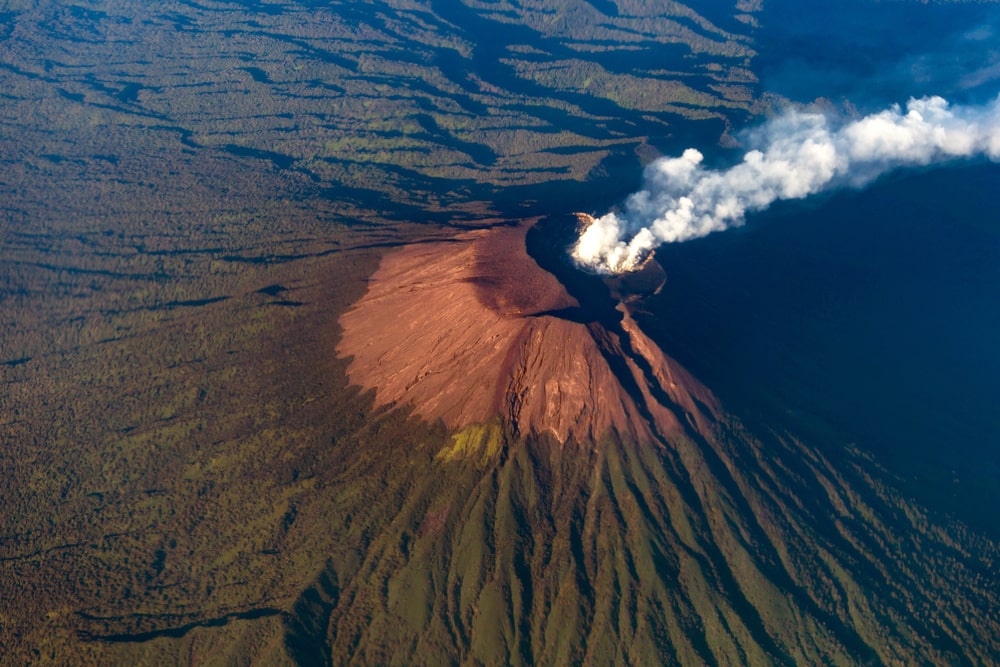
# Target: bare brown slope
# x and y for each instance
(471, 329)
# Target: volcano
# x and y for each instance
(593, 503)
(473, 329)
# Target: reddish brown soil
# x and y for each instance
(463, 331)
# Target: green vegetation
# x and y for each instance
(481, 442)
(356, 85)
(193, 192)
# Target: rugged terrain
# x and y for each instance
(287, 376)
(191, 193)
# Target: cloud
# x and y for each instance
(793, 156)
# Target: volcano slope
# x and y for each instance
(594, 503)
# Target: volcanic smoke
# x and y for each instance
(793, 156)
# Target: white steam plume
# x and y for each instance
(795, 155)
